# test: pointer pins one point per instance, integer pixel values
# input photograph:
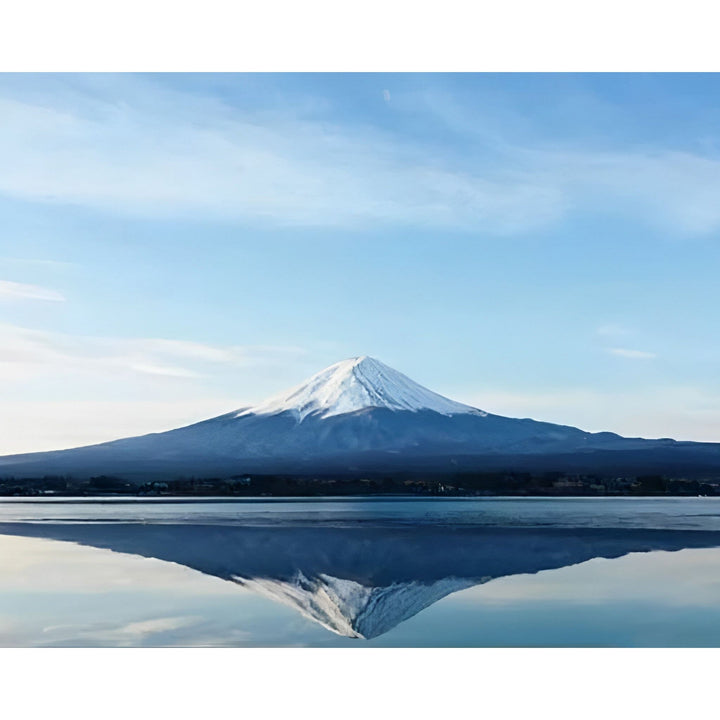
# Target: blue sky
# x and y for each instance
(176, 246)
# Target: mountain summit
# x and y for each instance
(356, 384)
(360, 416)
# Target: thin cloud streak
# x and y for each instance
(612, 329)
(10, 290)
(41, 262)
(165, 370)
(143, 628)
(632, 354)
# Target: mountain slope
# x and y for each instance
(358, 415)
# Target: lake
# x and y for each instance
(360, 572)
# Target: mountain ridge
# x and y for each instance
(358, 415)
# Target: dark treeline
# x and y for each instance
(551, 484)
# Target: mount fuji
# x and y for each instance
(361, 416)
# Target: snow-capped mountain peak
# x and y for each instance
(355, 384)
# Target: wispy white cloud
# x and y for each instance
(41, 262)
(668, 188)
(631, 354)
(166, 153)
(154, 157)
(10, 290)
(166, 370)
(130, 634)
(612, 329)
(143, 628)
(27, 352)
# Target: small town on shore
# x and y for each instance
(550, 484)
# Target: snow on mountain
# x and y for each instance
(351, 609)
(356, 384)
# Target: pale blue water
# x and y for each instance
(356, 572)
(702, 513)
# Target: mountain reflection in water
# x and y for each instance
(361, 581)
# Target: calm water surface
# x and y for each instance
(360, 572)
